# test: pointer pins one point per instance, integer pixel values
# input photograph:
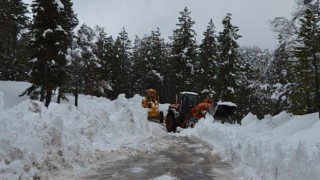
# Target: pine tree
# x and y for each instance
(235, 75)
(22, 65)
(207, 68)
(141, 63)
(280, 77)
(184, 54)
(305, 72)
(293, 54)
(90, 63)
(75, 70)
(158, 59)
(228, 62)
(105, 53)
(13, 22)
(52, 26)
(86, 63)
(121, 80)
(280, 74)
(148, 58)
(69, 22)
(258, 101)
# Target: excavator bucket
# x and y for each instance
(223, 111)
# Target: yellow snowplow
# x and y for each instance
(151, 101)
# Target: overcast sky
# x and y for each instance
(140, 17)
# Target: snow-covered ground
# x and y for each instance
(280, 147)
(42, 142)
(35, 140)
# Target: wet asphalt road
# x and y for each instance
(186, 159)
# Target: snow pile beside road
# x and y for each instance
(41, 142)
(35, 140)
(279, 147)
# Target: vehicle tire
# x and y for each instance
(161, 117)
(171, 124)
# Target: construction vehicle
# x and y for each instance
(151, 101)
(187, 111)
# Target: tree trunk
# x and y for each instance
(48, 98)
(60, 95)
(59, 99)
(76, 99)
(309, 105)
(76, 95)
(42, 94)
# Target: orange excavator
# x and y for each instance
(187, 111)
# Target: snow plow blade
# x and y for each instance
(223, 111)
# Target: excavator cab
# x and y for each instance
(187, 101)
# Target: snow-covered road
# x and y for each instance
(186, 158)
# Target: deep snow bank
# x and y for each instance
(35, 140)
(280, 147)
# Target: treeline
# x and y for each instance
(47, 52)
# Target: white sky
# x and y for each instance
(140, 17)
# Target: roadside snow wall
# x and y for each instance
(276, 148)
(35, 140)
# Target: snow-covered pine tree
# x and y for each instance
(257, 57)
(22, 65)
(207, 68)
(284, 73)
(141, 63)
(75, 70)
(90, 63)
(279, 74)
(228, 61)
(69, 22)
(13, 21)
(53, 21)
(121, 74)
(148, 62)
(183, 54)
(259, 100)
(280, 78)
(305, 51)
(104, 50)
(159, 56)
(234, 72)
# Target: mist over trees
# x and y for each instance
(48, 52)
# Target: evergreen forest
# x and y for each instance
(47, 50)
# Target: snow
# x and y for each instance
(196, 94)
(45, 142)
(166, 177)
(40, 142)
(60, 5)
(227, 103)
(279, 147)
(136, 170)
(44, 34)
(156, 74)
